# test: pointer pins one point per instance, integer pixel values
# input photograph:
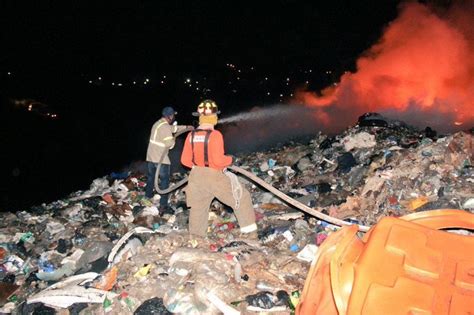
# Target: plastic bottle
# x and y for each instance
(301, 234)
(264, 286)
(300, 239)
(294, 300)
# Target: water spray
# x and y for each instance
(259, 114)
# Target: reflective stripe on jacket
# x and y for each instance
(194, 153)
(161, 139)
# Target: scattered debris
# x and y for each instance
(109, 247)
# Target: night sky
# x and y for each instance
(128, 37)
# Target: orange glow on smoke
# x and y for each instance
(422, 61)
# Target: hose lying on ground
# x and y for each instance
(316, 213)
(293, 202)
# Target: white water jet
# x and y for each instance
(266, 126)
(259, 114)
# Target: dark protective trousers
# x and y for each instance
(164, 181)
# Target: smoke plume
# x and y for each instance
(265, 127)
(421, 71)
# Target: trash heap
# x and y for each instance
(371, 170)
(109, 249)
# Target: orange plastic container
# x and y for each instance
(401, 266)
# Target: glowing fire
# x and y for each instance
(421, 69)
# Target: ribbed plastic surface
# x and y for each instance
(407, 268)
(400, 267)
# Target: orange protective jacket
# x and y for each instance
(194, 150)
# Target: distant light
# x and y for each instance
(90, 81)
(239, 70)
(113, 83)
(100, 78)
(162, 82)
(197, 89)
(188, 80)
(251, 68)
(266, 79)
(120, 84)
(287, 79)
(268, 93)
(164, 77)
(307, 82)
(197, 82)
(30, 108)
(9, 73)
(238, 78)
(134, 82)
(147, 80)
(310, 70)
(281, 95)
(291, 94)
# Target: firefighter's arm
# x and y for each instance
(187, 154)
(219, 158)
(182, 128)
(167, 137)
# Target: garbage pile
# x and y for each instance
(110, 250)
(371, 170)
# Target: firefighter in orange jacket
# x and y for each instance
(204, 152)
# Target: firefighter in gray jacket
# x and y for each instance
(161, 140)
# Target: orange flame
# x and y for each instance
(422, 66)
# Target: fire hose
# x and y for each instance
(295, 203)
